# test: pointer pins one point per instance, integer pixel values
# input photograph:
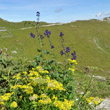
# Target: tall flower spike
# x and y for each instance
(67, 49)
(47, 33)
(37, 13)
(74, 55)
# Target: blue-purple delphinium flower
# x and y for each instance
(61, 52)
(47, 33)
(67, 49)
(74, 58)
(61, 34)
(37, 13)
(41, 36)
(74, 55)
(52, 47)
(32, 35)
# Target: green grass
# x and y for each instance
(78, 35)
(90, 39)
(97, 87)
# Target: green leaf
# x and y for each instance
(4, 77)
(46, 52)
(39, 50)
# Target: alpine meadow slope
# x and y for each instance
(89, 38)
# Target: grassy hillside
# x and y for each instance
(90, 39)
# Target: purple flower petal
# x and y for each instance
(61, 34)
(37, 13)
(32, 35)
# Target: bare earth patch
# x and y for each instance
(105, 105)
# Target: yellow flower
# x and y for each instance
(23, 78)
(14, 87)
(72, 61)
(88, 100)
(5, 97)
(54, 97)
(14, 77)
(2, 103)
(72, 69)
(20, 97)
(91, 98)
(39, 67)
(44, 71)
(53, 84)
(48, 78)
(32, 78)
(24, 72)
(45, 101)
(101, 99)
(43, 95)
(34, 97)
(13, 104)
(29, 90)
(17, 76)
(96, 102)
(66, 105)
(33, 69)
(24, 86)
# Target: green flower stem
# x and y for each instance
(66, 56)
(51, 48)
(38, 35)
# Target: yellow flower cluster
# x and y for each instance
(54, 97)
(28, 89)
(41, 70)
(72, 61)
(13, 104)
(48, 78)
(24, 72)
(17, 76)
(5, 97)
(94, 100)
(66, 105)
(34, 97)
(72, 69)
(53, 84)
(2, 103)
(44, 99)
(34, 73)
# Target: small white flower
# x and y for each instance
(14, 51)
(77, 99)
(81, 92)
